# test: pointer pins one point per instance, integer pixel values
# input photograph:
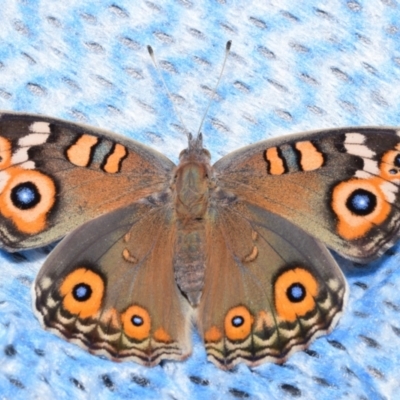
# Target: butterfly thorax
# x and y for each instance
(191, 191)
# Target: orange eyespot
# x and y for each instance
(359, 204)
(27, 198)
(82, 291)
(238, 323)
(294, 293)
(136, 322)
(390, 165)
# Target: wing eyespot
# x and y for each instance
(136, 322)
(238, 323)
(25, 195)
(82, 291)
(295, 291)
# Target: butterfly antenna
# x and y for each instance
(227, 50)
(153, 57)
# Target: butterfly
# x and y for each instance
(237, 248)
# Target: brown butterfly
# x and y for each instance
(234, 248)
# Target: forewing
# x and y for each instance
(341, 185)
(55, 175)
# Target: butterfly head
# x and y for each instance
(195, 150)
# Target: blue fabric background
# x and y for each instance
(294, 66)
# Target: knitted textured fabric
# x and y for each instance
(294, 66)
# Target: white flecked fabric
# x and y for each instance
(294, 66)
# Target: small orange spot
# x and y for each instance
(311, 158)
(289, 310)
(276, 166)
(136, 322)
(238, 323)
(113, 163)
(128, 256)
(160, 335)
(263, 320)
(127, 237)
(351, 226)
(90, 306)
(252, 256)
(111, 317)
(5, 153)
(80, 152)
(213, 335)
(32, 220)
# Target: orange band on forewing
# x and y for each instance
(32, 220)
(91, 306)
(134, 331)
(351, 226)
(276, 166)
(289, 310)
(5, 153)
(160, 335)
(241, 332)
(113, 163)
(80, 152)
(213, 335)
(311, 158)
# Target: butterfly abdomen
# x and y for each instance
(191, 192)
(189, 259)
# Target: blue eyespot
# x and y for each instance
(82, 292)
(296, 292)
(25, 195)
(136, 320)
(361, 202)
(237, 321)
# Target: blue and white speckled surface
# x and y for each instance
(294, 66)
